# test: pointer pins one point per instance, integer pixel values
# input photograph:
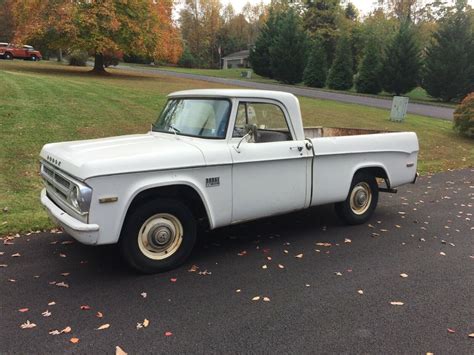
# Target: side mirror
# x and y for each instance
(251, 131)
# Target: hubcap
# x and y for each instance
(160, 236)
(361, 197)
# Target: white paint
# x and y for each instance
(257, 180)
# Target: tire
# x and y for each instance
(361, 201)
(8, 56)
(158, 235)
(34, 58)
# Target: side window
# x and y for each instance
(266, 120)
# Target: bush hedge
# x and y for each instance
(464, 117)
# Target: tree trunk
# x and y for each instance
(60, 55)
(99, 64)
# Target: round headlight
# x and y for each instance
(74, 197)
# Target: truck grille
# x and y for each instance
(56, 183)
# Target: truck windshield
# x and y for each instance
(206, 118)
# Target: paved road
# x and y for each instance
(312, 308)
(444, 113)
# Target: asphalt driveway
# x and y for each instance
(300, 283)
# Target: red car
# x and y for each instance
(11, 51)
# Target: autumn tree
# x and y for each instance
(101, 27)
(7, 21)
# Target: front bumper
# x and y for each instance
(82, 232)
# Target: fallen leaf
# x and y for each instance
(66, 330)
(27, 325)
(99, 315)
(74, 340)
(23, 310)
(62, 284)
(451, 331)
(52, 303)
(264, 266)
(194, 268)
(62, 255)
(119, 351)
(396, 303)
(104, 326)
(146, 322)
(65, 274)
(46, 313)
(143, 294)
(281, 266)
(238, 290)
(471, 335)
(16, 255)
(256, 298)
(347, 240)
(3, 265)
(54, 332)
(299, 256)
(442, 253)
(12, 280)
(168, 334)
(242, 253)
(403, 275)
(173, 279)
(85, 308)
(338, 273)
(360, 292)
(67, 242)
(266, 299)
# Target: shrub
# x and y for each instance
(316, 69)
(187, 59)
(464, 117)
(112, 58)
(368, 80)
(78, 58)
(340, 75)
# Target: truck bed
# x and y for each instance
(319, 132)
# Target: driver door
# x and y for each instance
(270, 173)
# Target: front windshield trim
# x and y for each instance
(196, 98)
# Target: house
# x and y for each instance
(236, 60)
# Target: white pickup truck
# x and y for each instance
(216, 157)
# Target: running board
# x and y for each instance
(389, 190)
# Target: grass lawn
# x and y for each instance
(416, 95)
(45, 102)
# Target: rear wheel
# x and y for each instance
(361, 200)
(8, 56)
(158, 236)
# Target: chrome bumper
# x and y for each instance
(83, 232)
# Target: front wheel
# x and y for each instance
(158, 235)
(34, 58)
(361, 200)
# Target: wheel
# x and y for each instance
(34, 58)
(361, 200)
(158, 235)
(8, 56)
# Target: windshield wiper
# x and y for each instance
(174, 129)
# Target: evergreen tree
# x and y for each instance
(402, 61)
(449, 65)
(316, 69)
(369, 79)
(288, 49)
(340, 75)
(259, 57)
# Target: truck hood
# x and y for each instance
(118, 155)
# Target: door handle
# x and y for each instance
(298, 148)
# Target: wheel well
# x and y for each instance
(377, 172)
(184, 193)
